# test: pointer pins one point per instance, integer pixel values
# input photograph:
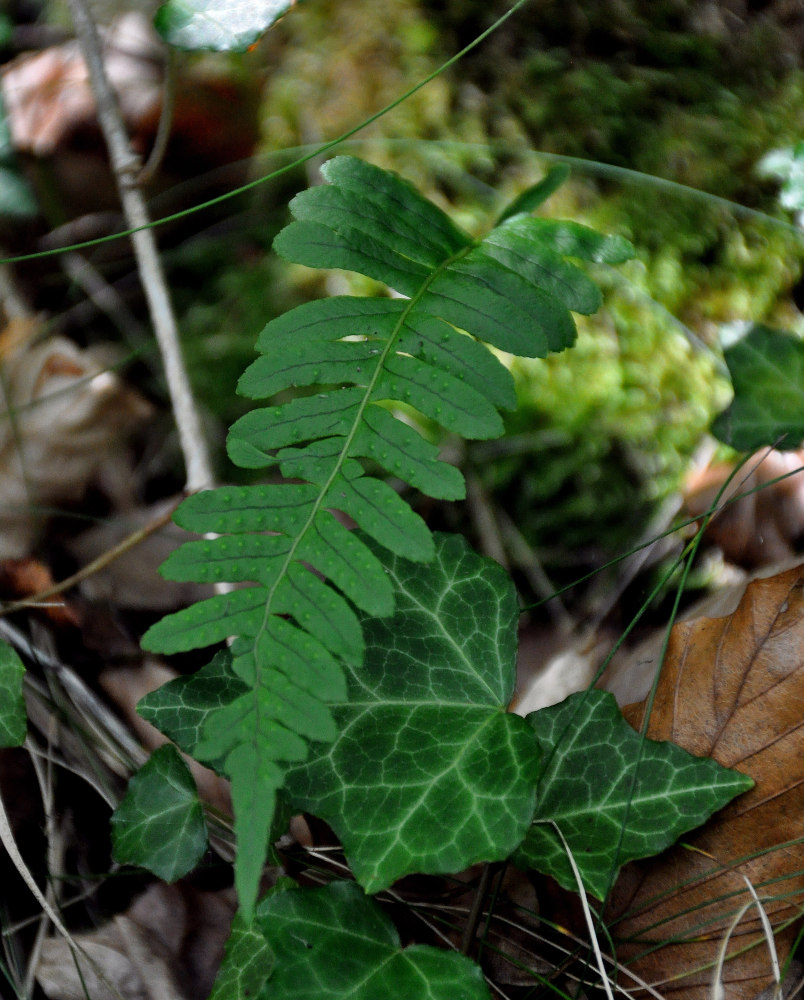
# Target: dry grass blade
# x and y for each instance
(10, 844)
(587, 913)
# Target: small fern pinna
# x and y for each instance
(292, 630)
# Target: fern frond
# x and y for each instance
(514, 289)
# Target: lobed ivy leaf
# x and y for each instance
(180, 708)
(767, 372)
(428, 772)
(333, 942)
(298, 633)
(217, 25)
(159, 825)
(613, 802)
(13, 717)
(247, 963)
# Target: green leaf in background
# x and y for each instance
(217, 25)
(13, 718)
(16, 197)
(247, 963)
(180, 708)
(333, 943)
(767, 372)
(429, 773)
(588, 790)
(530, 199)
(160, 825)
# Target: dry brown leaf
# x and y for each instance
(24, 578)
(168, 946)
(763, 527)
(61, 418)
(48, 96)
(731, 688)
(629, 676)
(552, 665)
(50, 111)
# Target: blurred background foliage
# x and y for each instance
(694, 93)
(690, 92)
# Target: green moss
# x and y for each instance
(602, 432)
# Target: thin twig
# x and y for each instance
(470, 931)
(125, 167)
(129, 542)
(525, 557)
(483, 517)
(157, 154)
(103, 296)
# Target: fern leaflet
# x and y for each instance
(513, 289)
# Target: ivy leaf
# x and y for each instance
(13, 717)
(180, 708)
(612, 803)
(767, 371)
(160, 825)
(429, 773)
(247, 963)
(333, 942)
(217, 25)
